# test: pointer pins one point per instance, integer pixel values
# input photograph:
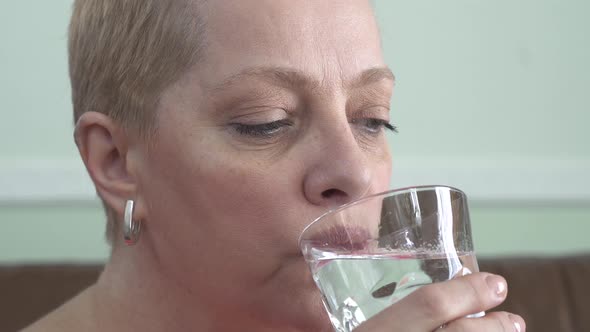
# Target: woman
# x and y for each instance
(214, 131)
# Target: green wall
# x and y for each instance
(491, 96)
(76, 233)
(505, 79)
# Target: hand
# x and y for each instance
(447, 303)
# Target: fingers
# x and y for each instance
(492, 322)
(439, 303)
(434, 305)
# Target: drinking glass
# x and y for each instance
(368, 254)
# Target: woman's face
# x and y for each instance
(282, 119)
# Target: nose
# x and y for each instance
(339, 172)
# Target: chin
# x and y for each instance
(297, 302)
(310, 315)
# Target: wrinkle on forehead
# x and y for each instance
(329, 39)
(292, 78)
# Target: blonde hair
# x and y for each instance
(124, 53)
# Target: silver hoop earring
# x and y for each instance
(131, 228)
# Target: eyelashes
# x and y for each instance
(374, 125)
(391, 127)
(263, 130)
(371, 126)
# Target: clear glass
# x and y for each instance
(369, 254)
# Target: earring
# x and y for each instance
(131, 228)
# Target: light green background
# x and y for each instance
(505, 80)
(75, 233)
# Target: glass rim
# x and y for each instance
(361, 200)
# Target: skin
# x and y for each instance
(221, 204)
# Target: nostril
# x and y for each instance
(333, 194)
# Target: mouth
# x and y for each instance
(341, 238)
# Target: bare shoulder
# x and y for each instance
(74, 315)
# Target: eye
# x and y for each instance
(373, 125)
(263, 130)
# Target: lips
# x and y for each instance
(338, 237)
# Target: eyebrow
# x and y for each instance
(292, 78)
(371, 76)
(278, 75)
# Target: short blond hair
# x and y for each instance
(124, 53)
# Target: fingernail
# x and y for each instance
(517, 326)
(497, 285)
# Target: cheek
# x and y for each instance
(382, 179)
(262, 204)
(382, 162)
(220, 196)
(241, 189)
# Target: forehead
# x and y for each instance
(330, 40)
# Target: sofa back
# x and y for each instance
(552, 294)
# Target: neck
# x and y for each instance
(135, 293)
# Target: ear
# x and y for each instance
(103, 146)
